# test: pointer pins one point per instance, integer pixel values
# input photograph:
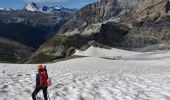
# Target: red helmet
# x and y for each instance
(40, 66)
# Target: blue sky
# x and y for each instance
(19, 4)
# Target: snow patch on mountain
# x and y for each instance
(107, 53)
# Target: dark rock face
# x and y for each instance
(148, 32)
(111, 34)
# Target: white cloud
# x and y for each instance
(45, 1)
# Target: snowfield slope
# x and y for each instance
(106, 53)
(93, 78)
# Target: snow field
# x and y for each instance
(101, 80)
(94, 78)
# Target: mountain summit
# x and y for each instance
(32, 7)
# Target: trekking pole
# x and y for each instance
(48, 95)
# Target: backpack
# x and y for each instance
(43, 79)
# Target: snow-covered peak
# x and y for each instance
(35, 7)
(54, 8)
(32, 7)
(2, 8)
(58, 7)
(6, 9)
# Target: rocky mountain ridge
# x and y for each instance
(116, 10)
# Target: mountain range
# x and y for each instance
(45, 9)
(30, 28)
(141, 25)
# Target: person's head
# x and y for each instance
(39, 67)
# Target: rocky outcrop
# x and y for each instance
(147, 10)
(111, 34)
(91, 14)
(148, 32)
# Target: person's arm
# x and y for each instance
(37, 80)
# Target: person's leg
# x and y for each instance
(45, 92)
(35, 93)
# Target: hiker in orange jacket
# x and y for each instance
(41, 82)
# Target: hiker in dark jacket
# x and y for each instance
(41, 82)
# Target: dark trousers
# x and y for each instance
(37, 89)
